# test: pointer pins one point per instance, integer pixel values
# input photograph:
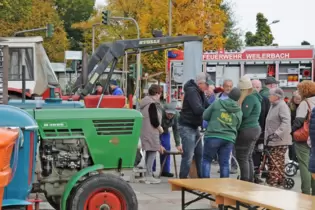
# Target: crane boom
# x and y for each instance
(108, 53)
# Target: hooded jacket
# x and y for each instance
(302, 112)
(224, 119)
(264, 92)
(193, 106)
(251, 108)
(150, 136)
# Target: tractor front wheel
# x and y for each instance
(103, 192)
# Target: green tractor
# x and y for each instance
(77, 147)
(83, 152)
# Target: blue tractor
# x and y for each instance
(17, 192)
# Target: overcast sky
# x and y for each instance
(296, 20)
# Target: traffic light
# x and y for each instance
(133, 70)
(105, 17)
(50, 30)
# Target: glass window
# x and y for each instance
(44, 68)
(16, 62)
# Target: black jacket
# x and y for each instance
(193, 106)
(265, 106)
(312, 136)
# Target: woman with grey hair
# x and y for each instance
(277, 134)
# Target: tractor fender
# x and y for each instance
(74, 179)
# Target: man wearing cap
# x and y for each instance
(116, 91)
(270, 83)
(169, 120)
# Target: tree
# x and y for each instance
(263, 35)
(305, 43)
(14, 10)
(72, 12)
(41, 13)
(204, 18)
(231, 33)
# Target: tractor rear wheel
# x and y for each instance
(104, 192)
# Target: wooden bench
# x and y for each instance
(235, 194)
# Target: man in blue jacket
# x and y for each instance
(116, 91)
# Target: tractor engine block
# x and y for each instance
(67, 154)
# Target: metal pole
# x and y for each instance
(93, 35)
(23, 77)
(131, 19)
(5, 74)
(23, 84)
(138, 82)
(30, 30)
(170, 18)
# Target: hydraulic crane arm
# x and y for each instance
(110, 53)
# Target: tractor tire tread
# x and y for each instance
(110, 181)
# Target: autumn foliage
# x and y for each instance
(189, 17)
(40, 14)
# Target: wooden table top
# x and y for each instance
(215, 186)
(255, 194)
(273, 200)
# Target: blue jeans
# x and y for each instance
(191, 149)
(223, 148)
(165, 139)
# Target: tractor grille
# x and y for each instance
(63, 132)
(113, 127)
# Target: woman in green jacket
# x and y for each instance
(250, 103)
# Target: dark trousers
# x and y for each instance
(244, 146)
(292, 154)
(257, 156)
(165, 139)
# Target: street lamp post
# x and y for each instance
(170, 18)
(93, 35)
(274, 22)
(138, 82)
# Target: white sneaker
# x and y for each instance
(152, 180)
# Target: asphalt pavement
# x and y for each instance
(160, 196)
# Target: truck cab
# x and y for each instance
(39, 74)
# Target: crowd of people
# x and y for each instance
(237, 121)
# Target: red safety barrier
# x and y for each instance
(108, 101)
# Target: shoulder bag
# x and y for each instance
(302, 134)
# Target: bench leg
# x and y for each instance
(183, 199)
(162, 166)
(175, 166)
